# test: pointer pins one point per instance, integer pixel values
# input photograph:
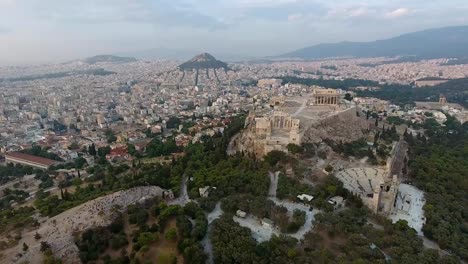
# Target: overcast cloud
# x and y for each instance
(36, 31)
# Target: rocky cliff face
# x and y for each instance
(345, 126)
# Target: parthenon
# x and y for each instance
(325, 97)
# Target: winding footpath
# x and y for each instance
(206, 242)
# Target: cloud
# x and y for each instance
(357, 12)
(263, 3)
(158, 13)
(39, 27)
(400, 12)
(295, 17)
(347, 12)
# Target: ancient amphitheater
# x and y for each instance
(378, 186)
(374, 185)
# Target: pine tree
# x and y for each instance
(410, 139)
(92, 150)
(61, 185)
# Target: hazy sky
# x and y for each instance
(34, 31)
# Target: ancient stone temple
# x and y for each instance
(272, 132)
(325, 97)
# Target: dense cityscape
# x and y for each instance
(350, 152)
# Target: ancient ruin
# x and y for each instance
(377, 186)
(296, 120)
(272, 132)
(325, 97)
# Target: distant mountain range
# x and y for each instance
(448, 42)
(203, 61)
(108, 58)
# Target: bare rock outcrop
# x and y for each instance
(345, 126)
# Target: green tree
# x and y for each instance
(92, 150)
(348, 97)
(171, 234)
(110, 136)
(275, 156)
(103, 151)
(131, 149)
(146, 239)
(294, 149)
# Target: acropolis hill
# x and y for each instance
(309, 119)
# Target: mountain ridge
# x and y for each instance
(108, 58)
(430, 43)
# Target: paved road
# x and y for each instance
(259, 232)
(206, 242)
(310, 216)
(273, 183)
(184, 198)
(215, 214)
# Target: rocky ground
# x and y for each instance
(59, 230)
(344, 126)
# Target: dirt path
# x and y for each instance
(304, 104)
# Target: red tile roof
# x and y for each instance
(31, 158)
